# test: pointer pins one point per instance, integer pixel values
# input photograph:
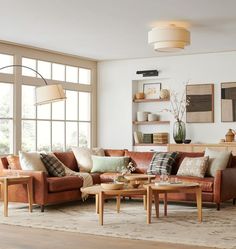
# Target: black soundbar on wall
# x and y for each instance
(148, 73)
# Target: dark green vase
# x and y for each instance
(179, 132)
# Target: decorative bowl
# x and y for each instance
(112, 186)
(135, 184)
(187, 141)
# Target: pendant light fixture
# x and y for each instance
(169, 38)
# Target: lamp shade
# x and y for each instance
(49, 93)
(169, 38)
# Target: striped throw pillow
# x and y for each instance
(162, 163)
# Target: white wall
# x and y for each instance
(115, 93)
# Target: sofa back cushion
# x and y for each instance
(110, 152)
(141, 160)
(68, 159)
(180, 159)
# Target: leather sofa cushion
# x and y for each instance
(141, 160)
(110, 152)
(108, 177)
(96, 178)
(68, 159)
(59, 184)
(181, 157)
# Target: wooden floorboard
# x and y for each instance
(16, 237)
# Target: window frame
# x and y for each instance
(18, 52)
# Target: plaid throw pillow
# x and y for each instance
(162, 163)
(53, 165)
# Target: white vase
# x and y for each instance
(142, 116)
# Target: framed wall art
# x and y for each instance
(152, 90)
(200, 108)
(228, 102)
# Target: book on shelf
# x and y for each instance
(138, 137)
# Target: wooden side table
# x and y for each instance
(185, 187)
(6, 181)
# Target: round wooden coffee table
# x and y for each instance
(102, 193)
(185, 187)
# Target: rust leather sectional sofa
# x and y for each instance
(51, 190)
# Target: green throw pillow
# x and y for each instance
(102, 164)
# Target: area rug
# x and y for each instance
(218, 228)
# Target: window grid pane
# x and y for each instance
(28, 63)
(6, 60)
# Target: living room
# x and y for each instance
(117, 124)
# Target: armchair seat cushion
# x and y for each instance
(59, 184)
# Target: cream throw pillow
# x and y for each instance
(193, 166)
(84, 157)
(31, 161)
(218, 160)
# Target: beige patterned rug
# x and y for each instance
(181, 226)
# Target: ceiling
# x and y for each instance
(115, 29)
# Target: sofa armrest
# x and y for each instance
(40, 186)
(225, 185)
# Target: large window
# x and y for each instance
(57, 126)
(51, 127)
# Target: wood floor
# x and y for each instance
(16, 237)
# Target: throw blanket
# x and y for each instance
(87, 179)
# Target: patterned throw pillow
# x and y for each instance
(53, 165)
(193, 166)
(162, 163)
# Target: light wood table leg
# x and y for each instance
(145, 202)
(97, 203)
(101, 207)
(118, 203)
(149, 204)
(199, 203)
(156, 199)
(5, 189)
(30, 193)
(165, 204)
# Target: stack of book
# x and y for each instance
(160, 138)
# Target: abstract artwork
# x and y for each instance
(200, 108)
(228, 102)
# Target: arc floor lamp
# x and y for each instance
(44, 94)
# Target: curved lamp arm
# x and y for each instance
(16, 65)
(44, 94)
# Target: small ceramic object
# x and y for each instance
(229, 137)
(187, 141)
(164, 94)
(152, 117)
(222, 140)
(139, 95)
(142, 116)
(135, 184)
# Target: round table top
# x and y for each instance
(96, 189)
(134, 177)
(173, 186)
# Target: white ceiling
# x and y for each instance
(115, 29)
